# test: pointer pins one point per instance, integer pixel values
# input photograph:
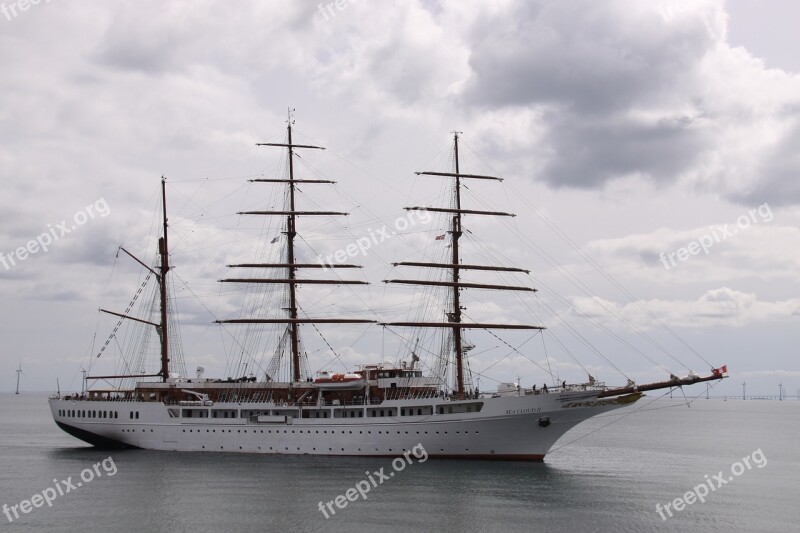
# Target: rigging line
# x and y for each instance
(624, 415)
(546, 356)
(213, 315)
(520, 353)
(326, 365)
(323, 338)
(582, 339)
(599, 325)
(127, 310)
(480, 372)
(597, 266)
(348, 288)
(582, 286)
(558, 317)
(609, 277)
(130, 227)
(407, 342)
(203, 210)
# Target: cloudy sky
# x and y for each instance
(650, 151)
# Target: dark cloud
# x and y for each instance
(620, 90)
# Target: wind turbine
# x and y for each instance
(19, 371)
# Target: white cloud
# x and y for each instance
(764, 252)
(718, 307)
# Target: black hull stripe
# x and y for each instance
(94, 439)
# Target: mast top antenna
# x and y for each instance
(290, 115)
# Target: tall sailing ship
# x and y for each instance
(380, 409)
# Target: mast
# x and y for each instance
(161, 326)
(163, 250)
(19, 371)
(455, 317)
(291, 265)
(290, 234)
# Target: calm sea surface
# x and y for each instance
(609, 479)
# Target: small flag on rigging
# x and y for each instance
(273, 241)
(440, 237)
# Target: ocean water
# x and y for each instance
(607, 474)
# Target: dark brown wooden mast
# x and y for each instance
(454, 317)
(291, 264)
(163, 250)
(161, 276)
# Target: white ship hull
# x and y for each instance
(505, 428)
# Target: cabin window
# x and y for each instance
(450, 409)
(419, 411)
(131, 415)
(361, 413)
(381, 412)
(137, 415)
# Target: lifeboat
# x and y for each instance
(334, 380)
